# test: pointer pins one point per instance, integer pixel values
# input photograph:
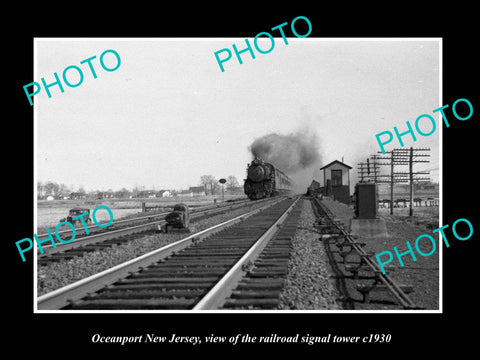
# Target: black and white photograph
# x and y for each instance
(234, 180)
(260, 187)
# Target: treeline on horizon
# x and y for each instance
(208, 185)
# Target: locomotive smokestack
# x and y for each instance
(297, 154)
(292, 152)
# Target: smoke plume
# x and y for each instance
(296, 154)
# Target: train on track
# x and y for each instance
(265, 180)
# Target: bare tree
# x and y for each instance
(40, 190)
(51, 188)
(122, 193)
(232, 183)
(137, 190)
(81, 190)
(63, 191)
(209, 182)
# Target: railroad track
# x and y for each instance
(121, 234)
(237, 264)
(146, 217)
(334, 233)
(264, 281)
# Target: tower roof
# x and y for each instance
(335, 162)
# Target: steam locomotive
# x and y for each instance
(264, 180)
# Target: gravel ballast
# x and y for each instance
(422, 275)
(62, 273)
(308, 285)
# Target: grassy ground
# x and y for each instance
(384, 193)
(423, 274)
(136, 203)
(427, 216)
(49, 213)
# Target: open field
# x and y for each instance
(136, 203)
(49, 213)
(423, 274)
(384, 193)
(50, 216)
(427, 216)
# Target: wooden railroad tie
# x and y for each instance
(363, 266)
(345, 243)
(365, 290)
(344, 254)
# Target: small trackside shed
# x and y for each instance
(336, 181)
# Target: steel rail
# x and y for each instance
(216, 297)
(149, 217)
(60, 298)
(117, 222)
(107, 235)
(399, 294)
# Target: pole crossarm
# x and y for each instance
(401, 157)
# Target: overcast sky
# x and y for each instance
(168, 114)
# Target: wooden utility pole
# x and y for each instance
(399, 157)
(412, 154)
(375, 167)
(392, 180)
(362, 171)
(410, 169)
(367, 171)
(404, 157)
